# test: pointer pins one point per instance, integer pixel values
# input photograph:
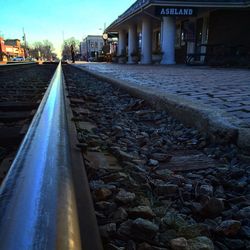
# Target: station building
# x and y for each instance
(177, 29)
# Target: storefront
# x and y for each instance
(180, 30)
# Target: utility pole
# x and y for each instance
(25, 44)
(62, 51)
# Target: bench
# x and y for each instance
(220, 55)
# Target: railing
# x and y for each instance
(38, 207)
(220, 55)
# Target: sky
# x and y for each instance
(54, 20)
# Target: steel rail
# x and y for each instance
(37, 198)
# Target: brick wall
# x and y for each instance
(230, 27)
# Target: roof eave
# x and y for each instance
(202, 4)
(148, 4)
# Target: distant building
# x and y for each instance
(3, 55)
(11, 48)
(91, 47)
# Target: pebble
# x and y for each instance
(145, 205)
(212, 208)
(206, 190)
(120, 214)
(234, 243)
(173, 220)
(179, 244)
(125, 197)
(201, 243)
(167, 190)
(153, 162)
(244, 213)
(144, 228)
(107, 230)
(229, 227)
(102, 194)
(142, 212)
(245, 231)
(125, 228)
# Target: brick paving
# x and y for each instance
(224, 89)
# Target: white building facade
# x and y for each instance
(91, 47)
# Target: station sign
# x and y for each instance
(174, 11)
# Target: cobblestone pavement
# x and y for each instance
(224, 89)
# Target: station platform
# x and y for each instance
(216, 99)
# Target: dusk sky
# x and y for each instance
(50, 19)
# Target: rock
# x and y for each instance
(141, 211)
(153, 163)
(100, 215)
(105, 205)
(244, 213)
(120, 214)
(213, 208)
(102, 194)
(168, 235)
(114, 177)
(124, 197)
(125, 156)
(200, 243)
(131, 245)
(189, 231)
(245, 231)
(206, 190)
(167, 189)
(194, 176)
(94, 185)
(188, 187)
(173, 220)
(220, 246)
(212, 224)
(144, 246)
(114, 247)
(236, 173)
(144, 228)
(160, 211)
(179, 244)
(164, 173)
(229, 227)
(117, 131)
(234, 243)
(161, 157)
(107, 230)
(125, 228)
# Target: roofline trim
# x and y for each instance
(148, 3)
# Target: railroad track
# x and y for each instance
(21, 90)
(150, 181)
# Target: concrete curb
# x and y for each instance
(218, 124)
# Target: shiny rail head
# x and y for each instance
(38, 206)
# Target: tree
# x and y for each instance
(42, 50)
(66, 48)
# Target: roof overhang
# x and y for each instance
(143, 5)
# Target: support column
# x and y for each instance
(122, 42)
(132, 42)
(146, 57)
(168, 40)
